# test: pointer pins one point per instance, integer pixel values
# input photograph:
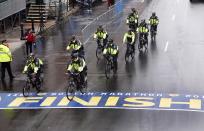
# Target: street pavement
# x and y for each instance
(173, 64)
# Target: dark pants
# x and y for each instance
(80, 52)
(29, 47)
(104, 42)
(115, 61)
(131, 46)
(4, 66)
(83, 75)
(154, 27)
(37, 75)
(145, 36)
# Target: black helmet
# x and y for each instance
(133, 9)
(73, 37)
(110, 40)
(100, 28)
(143, 22)
(31, 57)
(153, 14)
(130, 31)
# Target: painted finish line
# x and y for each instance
(153, 101)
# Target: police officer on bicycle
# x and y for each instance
(132, 21)
(143, 30)
(78, 66)
(76, 47)
(111, 50)
(153, 21)
(129, 39)
(33, 67)
(136, 14)
(101, 35)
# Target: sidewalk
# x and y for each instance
(13, 36)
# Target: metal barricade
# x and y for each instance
(104, 19)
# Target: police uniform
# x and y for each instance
(78, 66)
(34, 66)
(113, 52)
(5, 60)
(101, 35)
(129, 39)
(154, 21)
(77, 47)
(132, 21)
(143, 30)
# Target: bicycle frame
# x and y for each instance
(31, 79)
(75, 78)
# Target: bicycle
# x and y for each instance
(143, 43)
(31, 82)
(99, 49)
(110, 66)
(75, 85)
(130, 53)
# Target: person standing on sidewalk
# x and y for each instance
(30, 39)
(5, 60)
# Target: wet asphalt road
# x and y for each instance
(174, 64)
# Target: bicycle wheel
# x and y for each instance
(154, 36)
(39, 85)
(83, 88)
(108, 69)
(132, 54)
(151, 34)
(140, 46)
(26, 89)
(99, 53)
(127, 54)
(146, 46)
(70, 91)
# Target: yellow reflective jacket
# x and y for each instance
(74, 45)
(77, 65)
(5, 54)
(131, 19)
(129, 38)
(153, 21)
(111, 50)
(100, 34)
(143, 29)
(35, 65)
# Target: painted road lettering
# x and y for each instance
(154, 101)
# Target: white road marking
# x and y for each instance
(173, 17)
(166, 47)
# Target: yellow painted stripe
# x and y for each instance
(48, 101)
